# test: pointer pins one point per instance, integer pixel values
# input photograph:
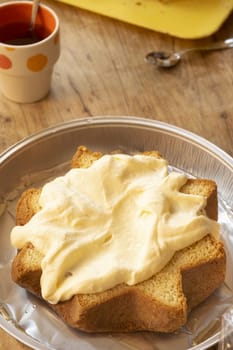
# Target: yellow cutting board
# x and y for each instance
(188, 19)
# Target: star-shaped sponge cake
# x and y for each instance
(161, 303)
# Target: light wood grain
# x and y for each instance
(101, 71)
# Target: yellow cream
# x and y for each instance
(119, 221)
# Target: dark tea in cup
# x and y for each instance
(15, 24)
(20, 33)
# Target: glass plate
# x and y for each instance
(45, 155)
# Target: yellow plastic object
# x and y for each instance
(188, 19)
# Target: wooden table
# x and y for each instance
(101, 71)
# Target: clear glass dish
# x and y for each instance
(45, 155)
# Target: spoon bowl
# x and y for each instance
(163, 59)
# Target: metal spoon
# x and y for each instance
(170, 59)
(35, 7)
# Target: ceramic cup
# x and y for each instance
(27, 58)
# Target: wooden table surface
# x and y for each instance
(101, 71)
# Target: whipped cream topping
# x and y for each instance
(119, 221)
